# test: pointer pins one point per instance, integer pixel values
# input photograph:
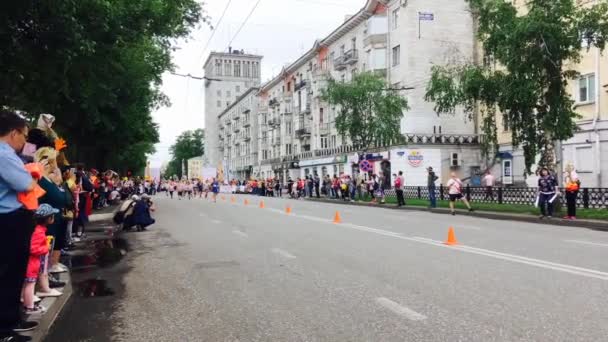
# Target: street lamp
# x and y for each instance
(197, 77)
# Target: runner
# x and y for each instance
(215, 186)
(455, 191)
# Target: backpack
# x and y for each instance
(398, 183)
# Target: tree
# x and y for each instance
(97, 66)
(369, 113)
(188, 145)
(535, 51)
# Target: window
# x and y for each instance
(332, 57)
(237, 68)
(289, 86)
(227, 103)
(584, 158)
(333, 141)
(219, 103)
(287, 148)
(228, 68)
(395, 19)
(288, 127)
(324, 142)
(218, 67)
(342, 50)
(396, 55)
(228, 94)
(321, 116)
(219, 93)
(353, 43)
(238, 88)
(353, 73)
(586, 88)
(254, 70)
(505, 123)
(246, 72)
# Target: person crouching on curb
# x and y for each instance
(39, 248)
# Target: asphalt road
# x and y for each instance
(233, 272)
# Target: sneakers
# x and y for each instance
(25, 326)
(14, 338)
(453, 213)
(51, 293)
(58, 268)
(37, 309)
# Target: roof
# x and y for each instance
(238, 99)
(364, 13)
(228, 54)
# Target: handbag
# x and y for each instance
(68, 215)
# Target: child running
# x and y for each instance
(215, 186)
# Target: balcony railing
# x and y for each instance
(303, 128)
(351, 56)
(340, 63)
(300, 85)
(273, 102)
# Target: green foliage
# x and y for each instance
(534, 51)
(369, 113)
(188, 145)
(96, 65)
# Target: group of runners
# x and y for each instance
(189, 189)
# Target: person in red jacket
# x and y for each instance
(39, 248)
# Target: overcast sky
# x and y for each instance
(280, 30)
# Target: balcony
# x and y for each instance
(276, 141)
(340, 63)
(274, 122)
(351, 56)
(273, 103)
(237, 129)
(262, 109)
(303, 128)
(247, 138)
(376, 32)
(300, 85)
(288, 108)
(246, 122)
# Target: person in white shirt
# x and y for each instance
(489, 181)
(455, 191)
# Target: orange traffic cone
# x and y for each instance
(287, 210)
(223, 198)
(337, 218)
(262, 204)
(245, 202)
(451, 241)
(232, 199)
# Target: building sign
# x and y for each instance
(415, 158)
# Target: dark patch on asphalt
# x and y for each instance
(216, 264)
(94, 288)
(100, 253)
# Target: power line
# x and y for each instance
(243, 24)
(217, 25)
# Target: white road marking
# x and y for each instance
(588, 243)
(240, 233)
(462, 248)
(216, 221)
(400, 309)
(283, 253)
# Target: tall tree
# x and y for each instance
(535, 50)
(97, 66)
(369, 113)
(188, 145)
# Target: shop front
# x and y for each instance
(322, 167)
(414, 163)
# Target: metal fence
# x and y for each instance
(588, 198)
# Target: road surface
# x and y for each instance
(232, 272)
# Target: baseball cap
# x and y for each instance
(45, 210)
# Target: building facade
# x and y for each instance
(238, 136)
(587, 150)
(228, 76)
(297, 132)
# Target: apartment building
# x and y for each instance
(588, 149)
(298, 136)
(228, 76)
(238, 135)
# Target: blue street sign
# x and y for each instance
(426, 16)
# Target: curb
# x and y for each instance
(589, 224)
(54, 307)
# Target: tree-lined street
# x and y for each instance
(235, 272)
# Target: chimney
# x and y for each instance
(230, 49)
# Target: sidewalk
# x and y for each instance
(100, 228)
(590, 224)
